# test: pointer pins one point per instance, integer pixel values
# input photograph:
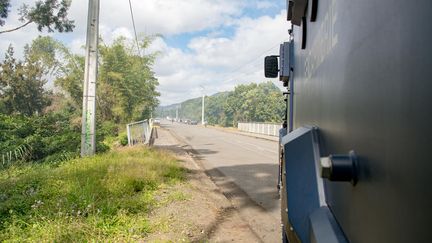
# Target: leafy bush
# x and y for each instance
(49, 138)
(123, 139)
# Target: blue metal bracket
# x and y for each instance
(304, 205)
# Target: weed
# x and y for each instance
(103, 198)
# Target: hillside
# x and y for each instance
(188, 109)
(261, 102)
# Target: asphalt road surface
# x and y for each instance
(251, 164)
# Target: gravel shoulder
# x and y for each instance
(196, 210)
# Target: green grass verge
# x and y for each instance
(103, 198)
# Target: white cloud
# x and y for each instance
(166, 17)
(220, 63)
(217, 61)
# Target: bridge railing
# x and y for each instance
(270, 129)
(141, 132)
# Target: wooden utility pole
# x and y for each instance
(88, 134)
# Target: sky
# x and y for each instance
(206, 46)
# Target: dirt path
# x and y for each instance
(201, 212)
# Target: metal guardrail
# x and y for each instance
(141, 132)
(270, 129)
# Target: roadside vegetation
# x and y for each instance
(105, 198)
(47, 193)
(40, 121)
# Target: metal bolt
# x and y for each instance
(326, 167)
(339, 167)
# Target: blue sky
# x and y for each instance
(217, 44)
(181, 40)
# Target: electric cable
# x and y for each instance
(133, 24)
(246, 64)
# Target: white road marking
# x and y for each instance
(246, 147)
(259, 147)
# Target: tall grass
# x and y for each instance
(102, 198)
(21, 153)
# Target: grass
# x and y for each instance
(103, 198)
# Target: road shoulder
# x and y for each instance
(263, 225)
(205, 214)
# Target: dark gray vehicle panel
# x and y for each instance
(365, 79)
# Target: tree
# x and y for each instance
(129, 80)
(46, 50)
(4, 7)
(253, 102)
(237, 107)
(126, 83)
(50, 14)
(58, 62)
(70, 79)
(215, 113)
(126, 87)
(21, 86)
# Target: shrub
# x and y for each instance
(123, 139)
(49, 138)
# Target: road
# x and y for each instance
(245, 167)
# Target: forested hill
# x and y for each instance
(189, 109)
(261, 102)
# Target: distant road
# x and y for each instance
(250, 163)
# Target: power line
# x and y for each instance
(247, 63)
(253, 60)
(240, 74)
(133, 23)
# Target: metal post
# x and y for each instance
(88, 139)
(202, 110)
(144, 127)
(128, 134)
